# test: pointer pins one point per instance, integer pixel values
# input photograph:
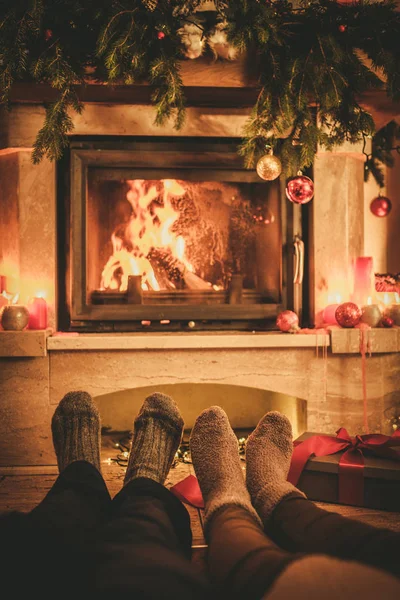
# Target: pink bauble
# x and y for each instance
(287, 321)
(300, 189)
(348, 314)
(380, 206)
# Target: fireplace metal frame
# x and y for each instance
(146, 158)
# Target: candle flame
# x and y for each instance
(334, 298)
(386, 299)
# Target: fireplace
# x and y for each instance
(172, 234)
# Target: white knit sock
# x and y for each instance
(215, 455)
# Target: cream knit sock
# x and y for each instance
(76, 430)
(268, 454)
(215, 456)
(157, 433)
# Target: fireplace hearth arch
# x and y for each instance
(95, 178)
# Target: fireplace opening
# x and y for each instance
(169, 234)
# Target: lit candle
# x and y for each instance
(37, 313)
(328, 314)
(363, 280)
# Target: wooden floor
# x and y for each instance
(22, 488)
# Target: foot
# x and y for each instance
(157, 433)
(215, 455)
(76, 430)
(268, 454)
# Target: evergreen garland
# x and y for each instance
(309, 59)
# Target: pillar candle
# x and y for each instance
(363, 280)
(38, 313)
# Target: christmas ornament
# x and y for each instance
(300, 189)
(219, 45)
(380, 206)
(160, 35)
(14, 317)
(342, 28)
(387, 321)
(348, 314)
(287, 321)
(48, 34)
(191, 35)
(371, 315)
(269, 167)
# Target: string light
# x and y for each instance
(182, 455)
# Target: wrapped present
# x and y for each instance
(360, 471)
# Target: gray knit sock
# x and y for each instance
(76, 430)
(268, 454)
(215, 455)
(157, 433)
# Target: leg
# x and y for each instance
(145, 549)
(293, 521)
(47, 544)
(243, 561)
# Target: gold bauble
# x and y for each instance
(269, 167)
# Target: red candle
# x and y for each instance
(38, 313)
(363, 280)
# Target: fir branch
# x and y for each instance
(52, 138)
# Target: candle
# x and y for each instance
(371, 315)
(3, 283)
(363, 280)
(38, 313)
(328, 314)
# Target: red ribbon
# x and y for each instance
(351, 463)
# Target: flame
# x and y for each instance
(150, 227)
(334, 298)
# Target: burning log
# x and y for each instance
(176, 269)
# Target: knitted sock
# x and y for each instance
(76, 430)
(215, 455)
(157, 433)
(268, 454)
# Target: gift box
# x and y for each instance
(359, 471)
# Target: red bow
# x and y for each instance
(351, 463)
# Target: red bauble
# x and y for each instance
(348, 314)
(387, 321)
(300, 189)
(48, 34)
(380, 206)
(160, 35)
(288, 321)
(342, 28)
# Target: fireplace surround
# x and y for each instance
(173, 234)
(319, 371)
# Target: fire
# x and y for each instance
(147, 236)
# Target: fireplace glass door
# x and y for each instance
(171, 234)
